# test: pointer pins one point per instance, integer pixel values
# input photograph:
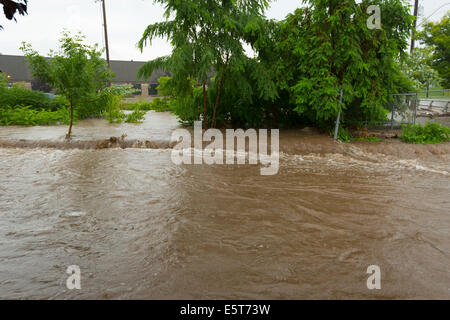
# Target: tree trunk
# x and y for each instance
(205, 120)
(213, 122)
(71, 120)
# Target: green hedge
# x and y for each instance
(37, 100)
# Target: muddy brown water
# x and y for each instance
(141, 227)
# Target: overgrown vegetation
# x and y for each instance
(19, 95)
(206, 36)
(20, 106)
(136, 116)
(430, 133)
(300, 63)
(29, 116)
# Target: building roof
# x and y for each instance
(125, 71)
(16, 67)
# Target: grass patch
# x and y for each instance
(435, 95)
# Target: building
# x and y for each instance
(17, 68)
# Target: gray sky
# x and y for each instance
(127, 19)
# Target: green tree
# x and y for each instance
(437, 36)
(416, 67)
(77, 71)
(207, 37)
(327, 46)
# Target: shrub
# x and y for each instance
(27, 116)
(36, 100)
(158, 105)
(136, 116)
(430, 133)
(344, 134)
(139, 105)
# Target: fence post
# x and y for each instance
(392, 115)
(415, 107)
(336, 130)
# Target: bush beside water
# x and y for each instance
(37, 100)
(28, 116)
(158, 105)
(21, 106)
(136, 116)
(430, 133)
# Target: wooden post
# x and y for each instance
(416, 9)
(415, 107)
(106, 37)
(392, 115)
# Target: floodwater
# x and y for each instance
(140, 227)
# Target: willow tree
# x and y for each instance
(327, 46)
(207, 37)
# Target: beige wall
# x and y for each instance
(23, 83)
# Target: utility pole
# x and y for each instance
(106, 33)
(416, 10)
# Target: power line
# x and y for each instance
(436, 11)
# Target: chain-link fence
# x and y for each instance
(415, 107)
(404, 109)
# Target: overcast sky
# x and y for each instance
(126, 19)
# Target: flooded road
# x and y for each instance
(141, 227)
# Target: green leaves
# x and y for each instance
(76, 70)
(416, 67)
(430, 133)
(327, 46)
(29, 116)
(207, 37)
(437, 37)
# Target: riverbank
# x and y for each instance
(155, 133)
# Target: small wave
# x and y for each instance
(363, 161)
(111, 143)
